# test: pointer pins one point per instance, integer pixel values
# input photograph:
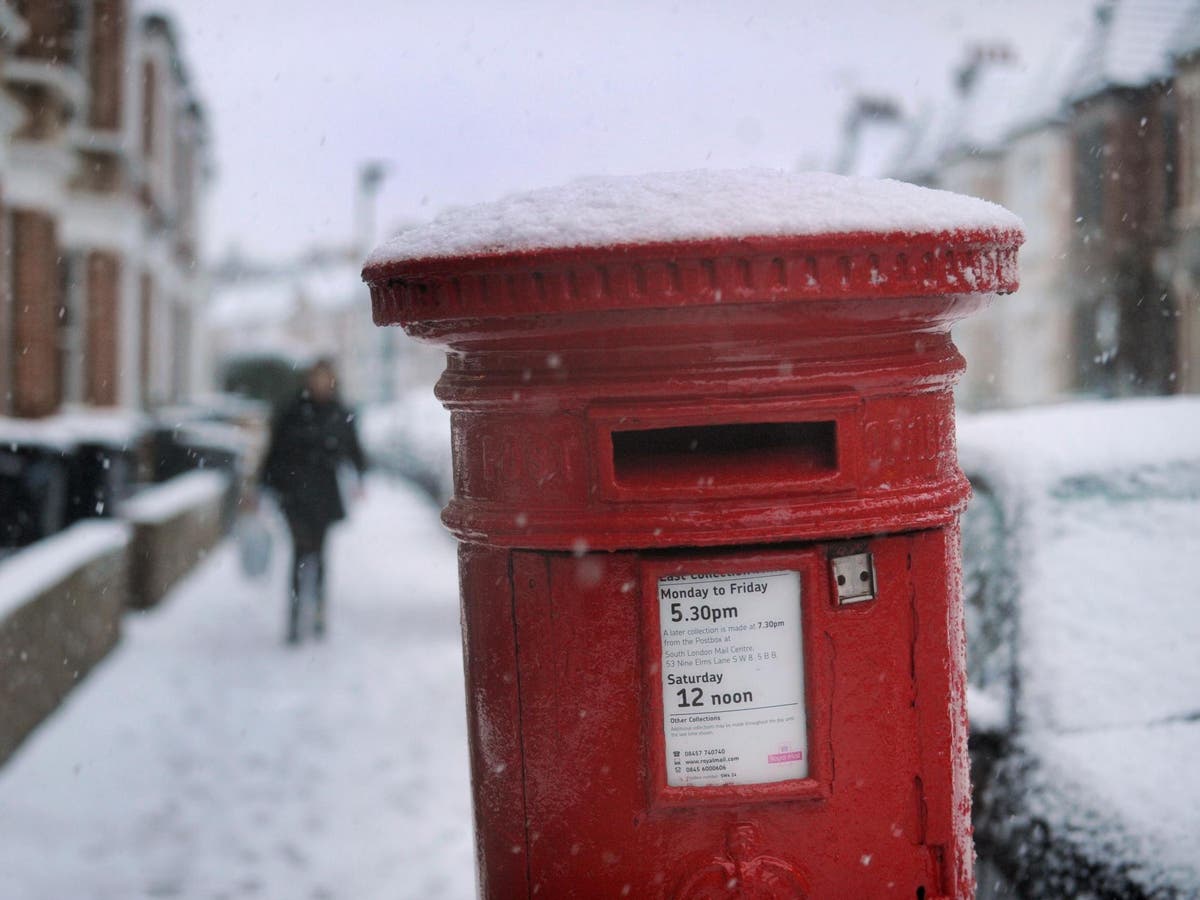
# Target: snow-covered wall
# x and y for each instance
(61, 602)
(174, 526)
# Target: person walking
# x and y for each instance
(310, 441)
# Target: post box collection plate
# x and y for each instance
(736, 677)
(732, 678)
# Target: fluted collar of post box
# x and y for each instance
(693, 238)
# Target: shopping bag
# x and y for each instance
(254, 544)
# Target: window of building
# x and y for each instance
(106, 65)
(149, 106)
(1171, 175)
(72, 337)
(1091, 152)
(146, 338)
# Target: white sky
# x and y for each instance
(467, 101)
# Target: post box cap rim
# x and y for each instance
(695, 274)
(851, 244)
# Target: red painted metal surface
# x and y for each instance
(622, 414)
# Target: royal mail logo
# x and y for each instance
(785, 756)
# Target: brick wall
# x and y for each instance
(36, 283)
(106, 63)
(52, 29)
(103, 320)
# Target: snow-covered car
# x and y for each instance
(1083, 622)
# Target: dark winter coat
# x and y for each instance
(309, 442)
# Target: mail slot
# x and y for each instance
(707, 495)
(737, 456)
(756, 450)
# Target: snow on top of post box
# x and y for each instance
(674, 207)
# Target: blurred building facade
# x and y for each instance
(314, 306)
(1097, 150)
(104, 157)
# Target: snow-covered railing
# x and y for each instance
(61, 601)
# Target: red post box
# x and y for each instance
(707, 492)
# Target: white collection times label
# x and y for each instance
(732, 678)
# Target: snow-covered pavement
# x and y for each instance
(204, 759)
